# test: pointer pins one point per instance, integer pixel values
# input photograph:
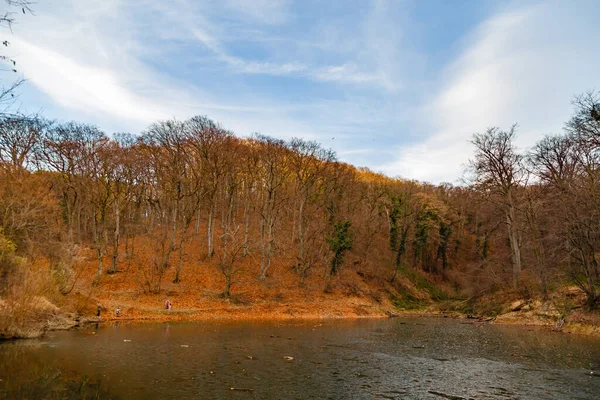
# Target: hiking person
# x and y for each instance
(98, 310)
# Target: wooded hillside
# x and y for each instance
(189, 197)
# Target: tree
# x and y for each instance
(400, 222)
(585, 122)
(307, 162)
(567, 165)
(164, 146)
(8, 91)
(274, 173)
(20, 137)
(208, 142)
(499, 171)
(369, 213)
(339, 243)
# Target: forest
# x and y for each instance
(190, 197)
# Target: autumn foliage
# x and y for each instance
(187, 204)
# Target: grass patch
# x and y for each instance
(407, 301)
(423, 284)
(474, 306)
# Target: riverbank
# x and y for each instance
(354, 295)
(563, 311)
(52, 318)
(577, 322)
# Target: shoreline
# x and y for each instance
(576, 328)
(289, 313)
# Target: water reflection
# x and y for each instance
(401, 358)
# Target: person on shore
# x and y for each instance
(98, 310)
(118, 311)
(168, 304)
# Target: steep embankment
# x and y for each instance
(359, 290)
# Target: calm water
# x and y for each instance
(365, 359)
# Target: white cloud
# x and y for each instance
(83, 87)
(94, 72)
(344, 73)
(125, 64)
(109, 94)
(522, 66)
(242, 66)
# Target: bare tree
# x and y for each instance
(274, 174)
(568, 167)
(19, 138)
(208, 141)
(8, 90)
(307, 162)
(499, 170)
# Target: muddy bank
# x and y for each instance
(535, 312)
(521, 312)
(530, 312)
(38, 325)
(35, 328)
(32, 317)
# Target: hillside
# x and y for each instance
(260, 227)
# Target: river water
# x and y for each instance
(402, 358)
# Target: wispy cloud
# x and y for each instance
(359, 78)
(84, 87)
(345, 73)
(243, 66)
(518, 68)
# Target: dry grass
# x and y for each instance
(25, 308)
(198, 295)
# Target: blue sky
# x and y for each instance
(397, 86)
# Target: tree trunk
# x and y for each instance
(115, 256)
(513, 236)
(246, 227)
(98, 238)
(209, 233)
(301, 238)
(227, 291)
(180, 261)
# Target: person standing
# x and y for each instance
(98, 310)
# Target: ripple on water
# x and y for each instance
(396, 358)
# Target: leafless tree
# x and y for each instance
(498, 169)
(8, 90)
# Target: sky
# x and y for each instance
(398, 86)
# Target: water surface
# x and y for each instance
(404, 358)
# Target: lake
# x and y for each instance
(400, 358)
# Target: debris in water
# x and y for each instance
(288, 358)
(126, 340)
(383, 396)
(185, 345)
(447, 396)
(242, 389)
